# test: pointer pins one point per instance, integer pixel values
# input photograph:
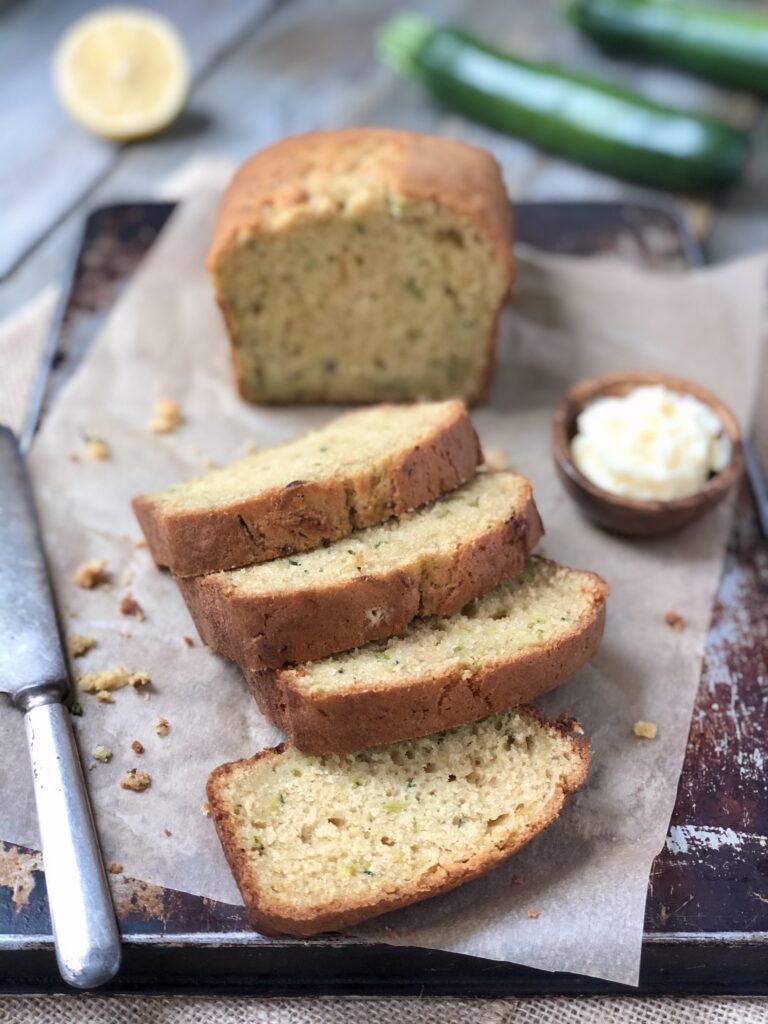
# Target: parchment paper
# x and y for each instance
(587, 875)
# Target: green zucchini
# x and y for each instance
(584, 119)
(728, 45)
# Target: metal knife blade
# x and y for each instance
(31, 656)
(33, 671)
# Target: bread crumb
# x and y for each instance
(534, 914)
(139, 679)
(103, 697)
(137, 748)
(136, 780)
(91, 574)
(496, 459)
(517, 879)
(167, 832)
(162, 726)
(127, 578)
(97, 448)
(115, 869)
(375, 615)
(78, 644)
(111, 679)
(188, 641)
(139, 543)
(71, 614)
(209, 463)
(102, 753)
(645, 730)
(206, 809)
(130, 606)
(166, 418)
(675, 620)
(250, 448)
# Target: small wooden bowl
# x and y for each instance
(630, 516)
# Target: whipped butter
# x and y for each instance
(650, 444)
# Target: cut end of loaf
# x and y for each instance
(395, 302)
(318, 843)
(363, 265)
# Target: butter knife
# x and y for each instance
(33, 672)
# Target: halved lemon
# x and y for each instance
(122, 72)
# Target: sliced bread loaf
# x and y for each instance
(358, 470)
(320, 843)
(526, 636)
(369, 585)
(363, 265)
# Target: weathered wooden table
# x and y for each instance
(262, 73)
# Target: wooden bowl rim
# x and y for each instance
(587, 390)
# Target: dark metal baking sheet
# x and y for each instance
(707, 912)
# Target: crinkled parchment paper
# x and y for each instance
(587, 875)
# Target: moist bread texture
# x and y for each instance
(363, 265)
(523, 638)
(371, 584)
(358, 470)
(320, 843)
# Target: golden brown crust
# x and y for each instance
(270, 630)
(302, 515)
(462, 177)
(354, 719)
(269, 920)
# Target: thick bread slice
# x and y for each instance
(370, 585)
(320, 843)
(357, 471)
(527, 636)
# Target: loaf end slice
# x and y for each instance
(321, 843)
(372, 584)
(526, 636)
(358, 470)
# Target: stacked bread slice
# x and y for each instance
(376, 586)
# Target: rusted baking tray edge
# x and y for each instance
(707, 913)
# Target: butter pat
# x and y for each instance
(651, 444)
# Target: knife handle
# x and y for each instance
(84, 926)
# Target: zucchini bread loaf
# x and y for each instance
(521, 639)
(320, 843)
(370, 585)
(363, 265)
(358, 470)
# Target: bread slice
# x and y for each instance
(370, 585)
(358, 470)
(527, 636)
(320, 843)
(363, 265)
